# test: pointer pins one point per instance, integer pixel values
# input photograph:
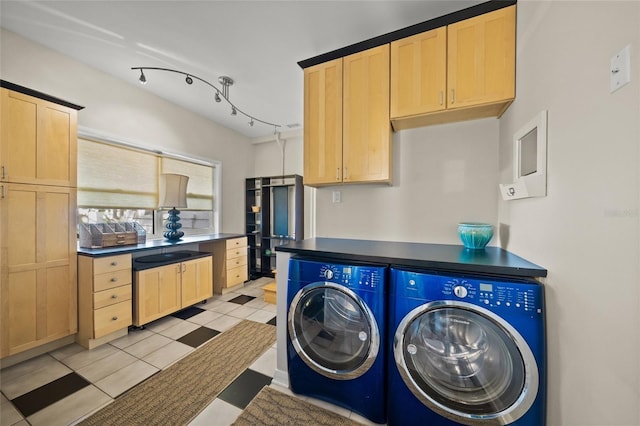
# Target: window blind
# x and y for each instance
(110, 176)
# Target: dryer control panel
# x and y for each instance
(525, 296)
(492, 293)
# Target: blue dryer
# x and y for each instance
(465, 350)
(336, 334)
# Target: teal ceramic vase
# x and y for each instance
(475, 235)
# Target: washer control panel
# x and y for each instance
(352, 276)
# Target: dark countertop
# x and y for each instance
(443, 257)
(155, 260)
(155, 244)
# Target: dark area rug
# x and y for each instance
(178, 394)
(273, 408)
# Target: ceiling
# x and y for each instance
(256, 43)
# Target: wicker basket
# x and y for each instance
(99, 235)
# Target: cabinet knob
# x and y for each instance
(114, 279)
(114, 296)
(114, 263)
(115, 318)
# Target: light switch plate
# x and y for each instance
(336, 196)
(620, 69)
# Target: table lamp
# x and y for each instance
(175, 195)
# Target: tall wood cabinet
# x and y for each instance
(38, 291)
(347, 135)
(463, 71)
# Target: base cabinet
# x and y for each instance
(104, 296)
(230, 263)
(166, 289)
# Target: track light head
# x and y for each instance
(217, 97)
(251, 123)
(233, 111)
(142, 79)
(189, 80)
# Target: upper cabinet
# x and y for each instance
(347, 135)
(419, 74)
(477, 56)
(366, 132)
(38, 141)
(323, 123)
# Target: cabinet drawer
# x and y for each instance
(236, 252)
(236, 261)
(236, 243)
(111, 296)
(102, 265)
(237, 275)
(111, 280)
(112, 318)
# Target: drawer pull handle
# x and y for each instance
(114, 263)
(114, 279)
(114, 296)
(115, 318)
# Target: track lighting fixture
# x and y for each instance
(223, 93)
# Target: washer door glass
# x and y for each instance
(463, 360)
(333, 331)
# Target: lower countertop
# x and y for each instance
(444, 257)
(155, 244)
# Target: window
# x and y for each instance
(121, 184)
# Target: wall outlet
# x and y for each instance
(336, 197)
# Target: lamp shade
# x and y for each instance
(175, 190)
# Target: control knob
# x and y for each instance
(460, 291)
(328, 274)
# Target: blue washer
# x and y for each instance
(336, 334)
(465, 350)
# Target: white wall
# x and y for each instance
(128, 112)
(586, 231)
(442, 175)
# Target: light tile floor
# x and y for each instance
(113, 368)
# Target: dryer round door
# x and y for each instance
(466, 363)
(333, 331)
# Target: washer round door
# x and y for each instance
(466, 363)
(333, 331)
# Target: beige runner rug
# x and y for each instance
(176, 395)
(273, 408)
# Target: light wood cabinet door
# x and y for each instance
(323, 123)
(196, 280)
(366, 143)
(37, 265)
(419, 73)
(38, 141)
(157, 293)
(481, 59)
